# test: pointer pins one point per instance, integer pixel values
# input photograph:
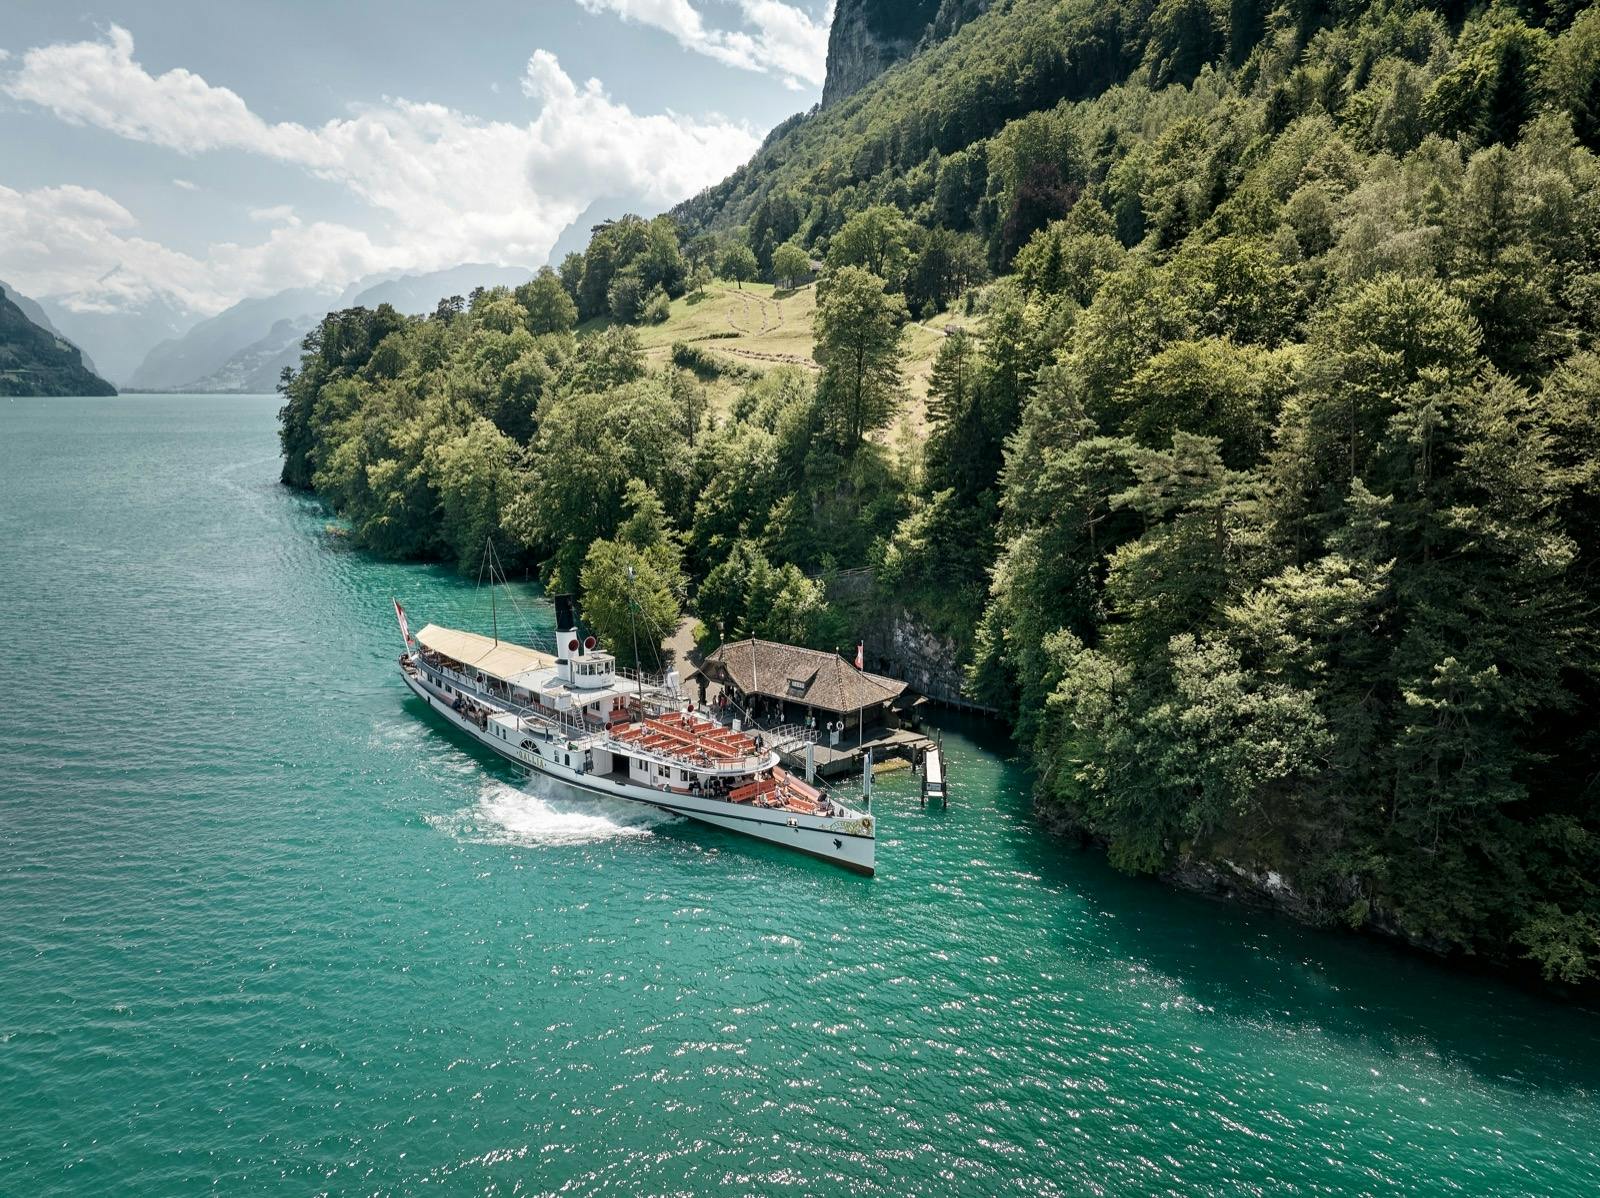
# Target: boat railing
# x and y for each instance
(566, 720)
(788, 738)
(742, 765)
(658, 681)
(468, 681)
(575, 725)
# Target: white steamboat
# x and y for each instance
(576, 717)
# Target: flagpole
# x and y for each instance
(861, 700)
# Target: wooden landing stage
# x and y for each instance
(845, 757)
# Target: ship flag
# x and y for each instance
(400, 614)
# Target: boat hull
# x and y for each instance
(846, 842)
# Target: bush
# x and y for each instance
(706, 364)
(625, 297)
(656, 307)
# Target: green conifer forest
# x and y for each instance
(1258, 475)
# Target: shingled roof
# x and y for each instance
(809, 676)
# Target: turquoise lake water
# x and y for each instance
(266, 928)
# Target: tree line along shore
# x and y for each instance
(1251, 464)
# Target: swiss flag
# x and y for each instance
(400, 614)
(861, 653)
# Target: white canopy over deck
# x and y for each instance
(529, 669)
(496, 659)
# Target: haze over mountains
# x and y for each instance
(209, 345)
(117, 338)
(245, 347)
(158, 346)
(37, 315)
(35, 359)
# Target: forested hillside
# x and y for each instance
(1261, 470)
(35, 361)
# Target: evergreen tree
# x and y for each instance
(859, 334)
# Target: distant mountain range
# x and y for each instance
(255, 369)
(208, 346)
(38, 316)
(119, 338)
(244, 349)
(37, 360)
(574, 238)
(418, 295)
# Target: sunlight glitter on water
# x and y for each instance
(295, 936)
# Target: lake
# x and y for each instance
(268, 928)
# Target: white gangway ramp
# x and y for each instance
(933, 775)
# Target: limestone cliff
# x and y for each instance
(869, 36)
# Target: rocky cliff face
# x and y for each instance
(897, 645)
(930, 663)
(869, 36)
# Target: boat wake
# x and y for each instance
(542, 816)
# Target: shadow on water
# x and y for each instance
(494, 766)
(1249, 966)
(1255, 966)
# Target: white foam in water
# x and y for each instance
(541, 815)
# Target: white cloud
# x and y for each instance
(100, 83)
(185, 185)
(450, 187)
(278, 214)
(779, 39)
(584, 144)
(82, 246)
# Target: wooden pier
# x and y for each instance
(933, 777)
(845, 757)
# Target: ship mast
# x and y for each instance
(494, 611)
(633, 625)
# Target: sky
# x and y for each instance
(208, 151)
